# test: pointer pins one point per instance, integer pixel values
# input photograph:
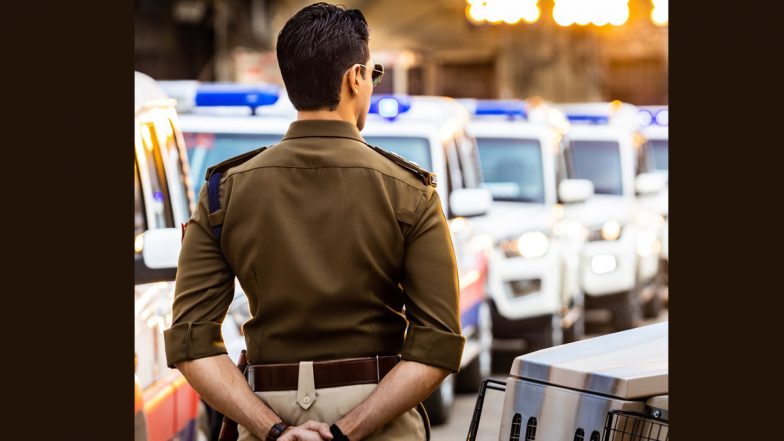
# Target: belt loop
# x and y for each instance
(306, 385)
(378, 371)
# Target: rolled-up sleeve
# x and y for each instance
(204, 290)
(431, 289)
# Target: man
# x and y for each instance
(343, 251)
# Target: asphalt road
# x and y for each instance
(489, 424)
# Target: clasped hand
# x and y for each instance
(308, 431)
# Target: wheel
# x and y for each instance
(469, 379)
(653, 307)
(627, 312)
(551, 334)
(576, 332)
(439, 404)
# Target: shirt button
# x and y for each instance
(306, 400)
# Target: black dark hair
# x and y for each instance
(315, 49)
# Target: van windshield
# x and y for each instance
(512, 169)
(658, 154)
(412, 149)
(208, 149)
(599, 162)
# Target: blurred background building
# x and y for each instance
(561, 50)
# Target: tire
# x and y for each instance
(653, 307)
(439, 404)
(550, 335)
(575, 332)
(469, 379)
(627, 312)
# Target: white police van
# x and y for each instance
(166, 407)
(655, 158)
(533, 278)
(226, 120)
(621, 258)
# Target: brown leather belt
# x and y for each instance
(332, 373)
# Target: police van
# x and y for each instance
(166, 407)
(533, 278)
(655, 159)
(226, 120)
(620, 260)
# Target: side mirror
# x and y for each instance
(575, 190)
(649, 183)
(467, 202)
(161, 248)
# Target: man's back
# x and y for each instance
(316, 230)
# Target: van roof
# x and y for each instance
(145, 90)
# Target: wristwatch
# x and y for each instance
(276, 431)
(337, 434)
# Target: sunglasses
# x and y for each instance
(376, 74)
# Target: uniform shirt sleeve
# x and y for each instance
(432, 293)
(204, 290)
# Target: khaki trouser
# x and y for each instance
(330, 404)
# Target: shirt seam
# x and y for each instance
(225, 178)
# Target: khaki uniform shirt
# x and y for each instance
(342, 250)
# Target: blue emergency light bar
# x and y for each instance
(510, 108)
(648, 118)
(236, 95)
(389, 106)
(588, 119)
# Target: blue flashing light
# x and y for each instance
(236, 95)
(389, 106)
(510, 108)
(663, 117)
(588, 119)
(644, 118)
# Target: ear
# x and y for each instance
(353, 79)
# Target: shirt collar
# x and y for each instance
(322, 128)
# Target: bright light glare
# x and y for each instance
(533, 244)
(647, 244)
(603, 264)
(388, 107)
(611, 230)
(138, 243)
(506, 11)
(660, 12)
(598, 12)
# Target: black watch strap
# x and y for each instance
(337, 435)
(276, 430)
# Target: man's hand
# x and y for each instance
(308, 431)
(220, 383)
(407, 384)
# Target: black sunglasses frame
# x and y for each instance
(376, 74)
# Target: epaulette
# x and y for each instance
(232, 162)
(427, 177)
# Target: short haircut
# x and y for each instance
(315, 49)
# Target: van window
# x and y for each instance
(208, 149)
(176, 175)
(155, 191)
(453, 166)
(139, 216)
(469, 158)
(599, 162)
(513, 169)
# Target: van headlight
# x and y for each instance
(610, 230)
(531, 245)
